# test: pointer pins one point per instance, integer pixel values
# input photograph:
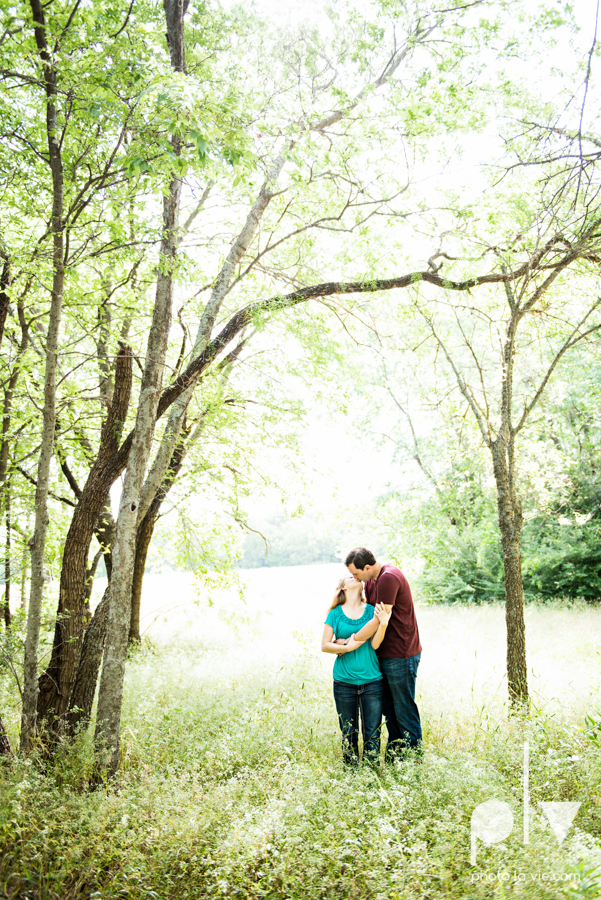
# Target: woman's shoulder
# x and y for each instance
(333, 614)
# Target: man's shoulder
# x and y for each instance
(391, 572)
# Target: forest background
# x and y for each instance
(275, 283)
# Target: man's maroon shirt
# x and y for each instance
(402, 636)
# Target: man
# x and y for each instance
(400, 651)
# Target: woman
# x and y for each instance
(357, 676)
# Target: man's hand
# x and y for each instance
(382, 613)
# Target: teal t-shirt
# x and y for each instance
(360, 666)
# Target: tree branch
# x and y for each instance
(568, 343)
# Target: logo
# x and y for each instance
(492, 821)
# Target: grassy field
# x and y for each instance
(232, 784)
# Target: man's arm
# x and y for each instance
(383, 618)
(370, 629)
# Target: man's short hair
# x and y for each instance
(360, 557)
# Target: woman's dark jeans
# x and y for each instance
(398, 704)
(352, 700)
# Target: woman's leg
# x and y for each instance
(370, 700)
(347, 707)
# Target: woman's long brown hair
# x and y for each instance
(340, 596)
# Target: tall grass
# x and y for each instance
(232, 785)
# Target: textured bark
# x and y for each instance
(7, 572)
(144, 537)
(56, 682)
(4, 298)
(90, 575)
(82, 696)
(38, 543)
(110, 695)
(162, 460)
(510, 526)
(105, 530)
(24, 568)
(5, 747)
(175, 10)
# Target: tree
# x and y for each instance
(487, 349)
(55, 161)
(207, 348)
(119, 609)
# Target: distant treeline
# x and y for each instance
(290, 542)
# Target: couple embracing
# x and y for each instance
(376, 642)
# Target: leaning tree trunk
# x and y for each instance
(82, 696)
(510, 524)
(145, 532)
(5, 747)
(7, 572)
(84, 689)
(4, 285)
(143, 539)
(56, 682)
(110, 696)
(38, 543)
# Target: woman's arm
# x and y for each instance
(328, 645)
(382, 617)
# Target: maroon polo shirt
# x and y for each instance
(402, 636)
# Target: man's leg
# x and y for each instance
(392, 726)
(370, 701)
(401, 675)
(347, 706)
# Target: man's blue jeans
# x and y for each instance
(398, 703)
(352, 700)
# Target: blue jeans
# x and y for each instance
(350, 700)
(398, 703)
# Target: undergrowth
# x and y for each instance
(231, 785)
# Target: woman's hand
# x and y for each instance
(329, 644)
(352, 643)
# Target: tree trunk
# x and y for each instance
(143, 539)
(24, 567)
(90, 574)
(7, 572)
(82, 696)
(38, 544)
(9, 392)
(110, 697)
(144, 536)
(56, 682)
(105, 534)
(5, 747)
(4, 285)
(510, 525)
(84, 689)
